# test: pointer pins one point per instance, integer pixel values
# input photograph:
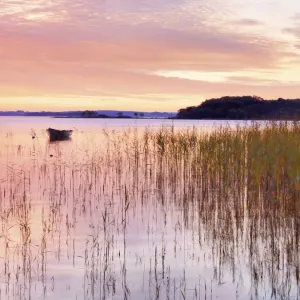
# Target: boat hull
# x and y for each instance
(59, 135)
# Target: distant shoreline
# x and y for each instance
(95, 117)
(160, 118)
(132, 118)
(104, 114)
(243, 108)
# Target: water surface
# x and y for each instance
(107, 215)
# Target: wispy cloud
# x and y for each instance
(131, 49)
(248, 22)
(294, 30)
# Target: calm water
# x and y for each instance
(91, 218)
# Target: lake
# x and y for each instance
(147, 209)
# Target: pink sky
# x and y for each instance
(145, 55)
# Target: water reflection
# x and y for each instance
(65, 139)
(152, 214)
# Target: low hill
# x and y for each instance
(243, 108)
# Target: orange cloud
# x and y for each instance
(117, 51)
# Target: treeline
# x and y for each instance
(245, 107)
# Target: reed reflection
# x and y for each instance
(144, 214)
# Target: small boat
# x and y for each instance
(59, 135)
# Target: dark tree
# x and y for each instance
(245, 107)
(89, 114)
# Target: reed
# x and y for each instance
(153, 214)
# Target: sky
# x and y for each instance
(145, 55)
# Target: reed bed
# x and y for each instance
(153, 214)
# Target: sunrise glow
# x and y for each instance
(145, 55)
